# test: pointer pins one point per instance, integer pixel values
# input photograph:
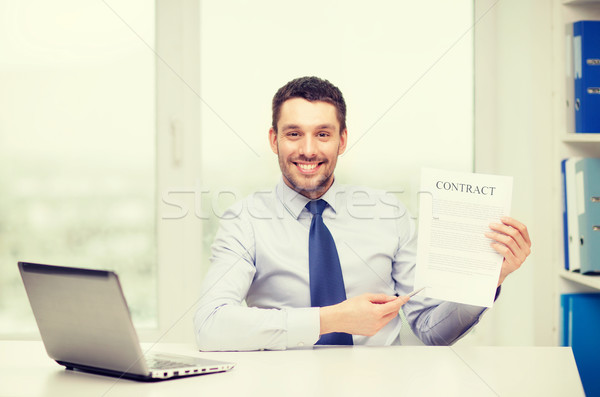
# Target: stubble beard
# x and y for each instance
(311, 186)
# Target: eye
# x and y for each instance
(323, 134)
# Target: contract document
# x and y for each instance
(455, 260)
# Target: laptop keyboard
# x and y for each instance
(159, 363)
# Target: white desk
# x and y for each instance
(25, 370)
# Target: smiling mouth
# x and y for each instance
(308, 168)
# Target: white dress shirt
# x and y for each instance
(260, 256)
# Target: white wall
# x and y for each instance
(514, 137)
(405, 69)
(375, 68)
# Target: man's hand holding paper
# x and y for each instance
(511, 240)
(467, 243)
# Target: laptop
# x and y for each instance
(85, 324)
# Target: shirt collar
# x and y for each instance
(294, 202)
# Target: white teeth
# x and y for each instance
(308, 167)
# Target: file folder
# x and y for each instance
(587, 185)
(570, 81)
(586, 76)
(580, 314)
(573, 235)
(563, 178)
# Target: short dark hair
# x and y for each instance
(312, 89)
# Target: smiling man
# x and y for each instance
(317, 262)
(307, 140)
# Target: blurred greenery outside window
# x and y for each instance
(77, 148)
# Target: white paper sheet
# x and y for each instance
(455, 261)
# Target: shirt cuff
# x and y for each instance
(497, 292)
(303, 326)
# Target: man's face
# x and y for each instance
(307, 142)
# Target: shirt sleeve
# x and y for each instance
(433, 321)
(223, 321)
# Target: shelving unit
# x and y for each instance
(581, 138)
(583, 280)
(569, 144)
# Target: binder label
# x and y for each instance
(577, 61)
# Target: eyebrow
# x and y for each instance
(326, 127)
(318, 127)
(290, 127)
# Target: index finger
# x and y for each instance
(507, 220)
(380, 298)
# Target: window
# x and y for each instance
(77, 147)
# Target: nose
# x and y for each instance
(308, 148)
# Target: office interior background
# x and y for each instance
(128, 127)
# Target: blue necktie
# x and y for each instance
(326, 280)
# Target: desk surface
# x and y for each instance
(25, 370)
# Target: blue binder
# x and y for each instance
(587, 181)
(580, 329)
(586, 74)
(564, 210)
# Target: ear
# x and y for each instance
(343, 141)
(273, 140)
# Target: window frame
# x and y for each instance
(179, 249)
